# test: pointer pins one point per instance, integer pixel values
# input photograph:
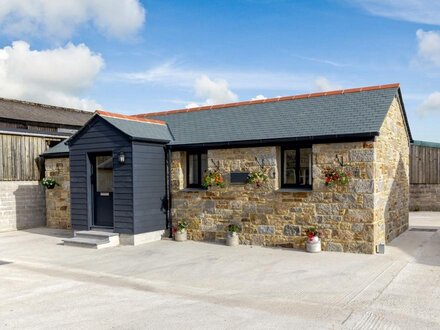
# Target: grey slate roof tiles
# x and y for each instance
(327, 115)
(141, 130)
(336, 114)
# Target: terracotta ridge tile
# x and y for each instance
(131, 118)
(268, 100)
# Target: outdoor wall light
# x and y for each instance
(121, 157)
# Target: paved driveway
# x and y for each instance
(166, 284)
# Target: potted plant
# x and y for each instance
(49, 183)
(231, 235)
(180, 233)
(313, 243)
(213, 178)
(257, 178)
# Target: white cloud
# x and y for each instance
(418, 11)
(259, 97)
(55, 76)
(431, 105)
(429, 46)
(322, 61)
(172, 75)
(322, 84)
(58, 19)
(214, 91)
(192, 105)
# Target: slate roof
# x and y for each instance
(138, 128)
(60, 149)
(320, 115)
(42, 113)
(135, 128)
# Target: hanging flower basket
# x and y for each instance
(258, 178)
(336, 176)
(213, 178)
(49, 183)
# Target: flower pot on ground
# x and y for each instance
(180, 233)
(313, 243)
(232, 238)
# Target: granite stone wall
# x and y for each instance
(58, 199)
(371, 209)
(391, 177)
(272, 216)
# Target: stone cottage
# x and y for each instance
(291, 141)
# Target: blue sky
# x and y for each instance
(133, 56)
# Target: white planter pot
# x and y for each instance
(232, 239)
(181, 236)
(313, 246)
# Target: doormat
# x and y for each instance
(424, 229)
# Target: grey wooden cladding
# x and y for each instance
(138, 184)
(148, 187)
(424, 165)
(101, 137)
(18, 157)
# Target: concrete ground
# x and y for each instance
(191, 285)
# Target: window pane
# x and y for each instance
(193, 173)
(289, 166)
(104, 174)
(203, 163)
(305, 168)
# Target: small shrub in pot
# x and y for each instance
(231, 235)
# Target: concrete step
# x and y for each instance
(97, 234)
(93, 239)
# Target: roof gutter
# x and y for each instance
(266, 142)
(33, 134)
(55, 155)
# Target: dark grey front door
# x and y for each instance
(102, 188)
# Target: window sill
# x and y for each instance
(281, 190)
(193, 189)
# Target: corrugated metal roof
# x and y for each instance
(42, 113)
(355, 112)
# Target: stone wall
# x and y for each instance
(392, 177)
(22, 205)
(424, 197)
(58, 199)
(272, 216)
(371, 209)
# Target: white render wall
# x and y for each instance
(22, 205)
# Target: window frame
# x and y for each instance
(199, 154)
(297, 168)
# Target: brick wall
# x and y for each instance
(58, 199)
(424, 197)
(22, 205)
